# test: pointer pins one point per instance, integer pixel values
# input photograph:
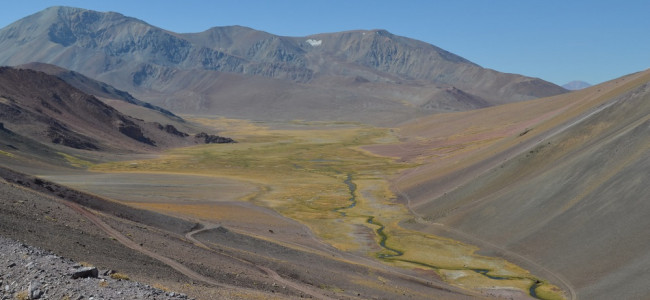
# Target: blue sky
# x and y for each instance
(558, 41)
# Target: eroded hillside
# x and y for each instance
(555, 182)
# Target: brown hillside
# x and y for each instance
(557, 183)
(45, 109)
(96, 88)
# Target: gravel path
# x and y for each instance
(30, 273)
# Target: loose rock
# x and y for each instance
(34, 290)
(28, 272)
(85, 272)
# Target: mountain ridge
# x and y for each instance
(576, 85)
(39, 108)
(93, 87)
(149, 61)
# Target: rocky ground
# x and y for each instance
(176, 255)
(31, 273)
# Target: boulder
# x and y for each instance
(85, 272)
(34, 291)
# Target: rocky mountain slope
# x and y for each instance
(93, 87)
(239, 71)
(32, 273)
(40, 111)
(556, 184)
(203, 260)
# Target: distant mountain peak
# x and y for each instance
(576, 85)
(197, 71)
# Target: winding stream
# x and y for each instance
(382, 240)
(532, 289)
(352, 188)
(394, 254)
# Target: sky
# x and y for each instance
(558, 41)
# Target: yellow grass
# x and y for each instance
(161, 287)
(308, 174)
(5, 153)
(549, 292)
(75, 161)
(120, 276)
(22, 295)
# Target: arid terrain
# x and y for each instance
(31, 273)
(371, 76)
(556, 183)
(373, 176)
(214, 239)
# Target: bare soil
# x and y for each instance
(153, 248)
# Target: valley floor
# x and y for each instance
(302, 194)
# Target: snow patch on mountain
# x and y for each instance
(314, 43)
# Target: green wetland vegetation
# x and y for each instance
(318, 175)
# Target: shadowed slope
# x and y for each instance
(94, 87)
(122, 101)
(47, 109)
(37, 108)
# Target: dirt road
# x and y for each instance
(269, 272)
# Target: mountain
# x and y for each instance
(41, 109)
(576, 85)
(93, 87)
(557, 184)
(363, 75)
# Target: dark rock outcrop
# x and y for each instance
(60, 135)
(85, 272)
(171, 130)
(135, 132)
(213, 139)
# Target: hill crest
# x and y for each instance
(36, 107)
